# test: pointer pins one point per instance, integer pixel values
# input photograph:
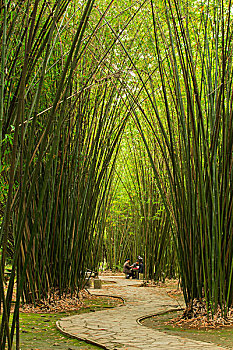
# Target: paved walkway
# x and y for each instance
(118, 328)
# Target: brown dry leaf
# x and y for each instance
(196, 317)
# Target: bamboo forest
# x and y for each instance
(116, 134)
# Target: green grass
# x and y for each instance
(222, 337)
(38, 331)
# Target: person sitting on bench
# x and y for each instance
(141, 267)
(127, 269)
(135, 269)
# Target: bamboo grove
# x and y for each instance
(190, 120)
(137, 221)
(116, 141)
(63, 119)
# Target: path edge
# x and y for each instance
(87, 340)
(140, 319)
(73, 336)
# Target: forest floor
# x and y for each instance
(38, 327)
(221, 336)
(121, 327)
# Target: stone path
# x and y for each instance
(118, 328)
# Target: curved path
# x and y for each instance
(118, 328)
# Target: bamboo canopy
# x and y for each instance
(116, 141)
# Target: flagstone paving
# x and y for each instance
(118, 328)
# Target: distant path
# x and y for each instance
(118, 328)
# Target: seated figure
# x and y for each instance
(127, 269)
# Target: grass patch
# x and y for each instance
(222, 337)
